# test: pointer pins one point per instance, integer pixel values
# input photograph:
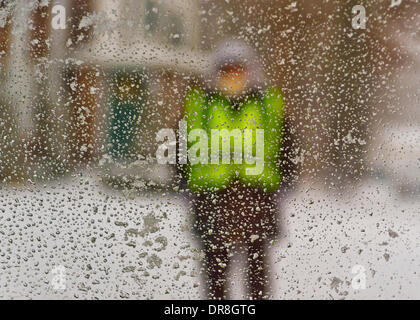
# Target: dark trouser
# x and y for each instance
(234, 216)
(217, 263)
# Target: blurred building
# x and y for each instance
(26, 92)
(395, 151)
(8, 127)
(146, 53)
(100, 88)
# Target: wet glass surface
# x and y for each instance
(104, 105)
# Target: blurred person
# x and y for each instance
(235, 211)
(126, 102)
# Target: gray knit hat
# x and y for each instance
(234, 52)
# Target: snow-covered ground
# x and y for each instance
(329, 235)
(118, 245)
(111, 244)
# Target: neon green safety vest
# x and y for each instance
(213, 111)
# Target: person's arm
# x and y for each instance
(195, 102)
(274, 122)
(193, 109)
(273, 136)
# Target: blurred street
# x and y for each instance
(115, 246)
